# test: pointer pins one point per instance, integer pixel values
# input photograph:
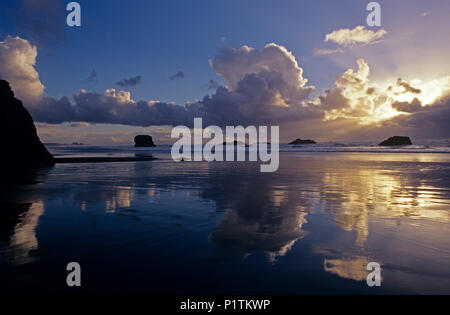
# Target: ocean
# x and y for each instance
(161, 227)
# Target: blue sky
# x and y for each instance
(157, 39)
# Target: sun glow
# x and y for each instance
(358, 98)
(430, 91)
(378, 107)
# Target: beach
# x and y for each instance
(163, 227)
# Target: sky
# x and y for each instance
(315, 68)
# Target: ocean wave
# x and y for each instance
(118, 150)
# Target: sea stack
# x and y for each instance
(235, 143)
(143, 141)
(396, 141)
(301, 141)
(21, 148)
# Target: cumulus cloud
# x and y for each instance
(353, 96)
(130, 82)
(177, 76)
(421, 109)
(262, 87)
(268, 87)
(233, 64)
(17, 61)
(115, 107)
(358, 35)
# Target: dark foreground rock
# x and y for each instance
(301, 141)
(21, 148)
(396, 140)
(143, 141)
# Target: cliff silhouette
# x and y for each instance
(21, 148)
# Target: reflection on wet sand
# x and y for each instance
(261, 213)
(348, 268)
(22, 240)
(120, 199)
(347, 211)
(258, 215)
(352, 197)
(274, 236)
(264, 216)
(366, 196)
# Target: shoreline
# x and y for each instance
(101, 159)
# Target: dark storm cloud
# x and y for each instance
(43, 21)
(177, 76)
(426, 121)
(211, 85)
(253, 102)
(222, 108)
(264, 87)
(130, 82)
(406, 107)
(112, 107)
(408, 87)
(92, 78)
(268, 89)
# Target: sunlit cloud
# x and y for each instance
(324, 51)
(17, 62)
(262, 86)
(358, 35)
(80, 124)
(356, 97)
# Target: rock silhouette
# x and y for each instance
(301, 141)
(21, 148)
(143, 141)
(396, 140)
(235, 143)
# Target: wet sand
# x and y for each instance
(101, 159)
(159, 227)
